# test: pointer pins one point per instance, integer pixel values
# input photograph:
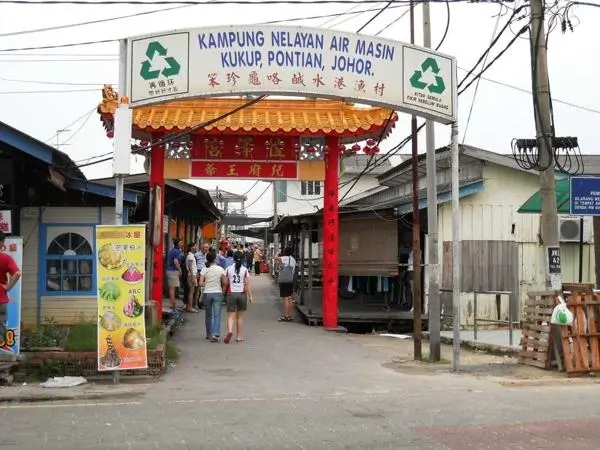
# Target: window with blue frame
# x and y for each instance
(68, 260)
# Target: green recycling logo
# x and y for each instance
(416, 79)
(172, 66)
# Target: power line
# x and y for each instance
(63, 83)
(259, 197)
(87, 113)
(66, 91)
(220, 2)
(55, 60)
(89, 22)
(478, 80)
(11, 51)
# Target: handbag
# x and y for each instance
(286, 275)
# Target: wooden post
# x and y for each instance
(596, 222)
(330, 234)
(157, 178)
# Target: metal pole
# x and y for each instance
(455, 250)
(275, 219)
(119, 180)
(544, 133)
(433, 268)
(416, 228)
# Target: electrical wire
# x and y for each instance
(259, 197)
(364, 171)
(89, 22)
(206, 2)
(62, 83)
(479, 79)
(72, 123)
(377, 14)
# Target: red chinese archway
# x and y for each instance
(262, 141)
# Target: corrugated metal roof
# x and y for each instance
(357, 163)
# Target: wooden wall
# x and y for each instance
(485, 266)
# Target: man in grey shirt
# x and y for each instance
(200, 263)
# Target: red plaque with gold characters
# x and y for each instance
(236, 169)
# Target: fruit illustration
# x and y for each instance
(132, 275)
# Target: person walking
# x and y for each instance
(286, 289)
(192, 277)
(200, 263)
(213, 279)
(256, 258)
(238, 297)
(174, 271)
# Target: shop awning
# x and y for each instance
(444, 197)
(533, 205)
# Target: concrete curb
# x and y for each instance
(38, 394)
(492, 349)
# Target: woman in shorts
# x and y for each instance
(286, 290)
(238, 296)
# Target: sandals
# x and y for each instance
(286, 319)
(228, 338)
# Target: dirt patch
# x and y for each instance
(506, 370)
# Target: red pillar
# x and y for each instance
(157, 178)
(330, 234)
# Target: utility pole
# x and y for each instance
(433, 267)
(275, 220)
(416, 227)
(544, 134)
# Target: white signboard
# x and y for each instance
(6, 221)
(297, 61)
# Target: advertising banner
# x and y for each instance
(120, 268)
(10, 332)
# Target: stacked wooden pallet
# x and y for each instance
(581, 340)
(537, 341)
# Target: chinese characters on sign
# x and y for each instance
(251, 148)
(121, 267)
(243, 169)
(10, 332)
(318, 80)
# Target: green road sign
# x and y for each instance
(432, 65)
(172, 66)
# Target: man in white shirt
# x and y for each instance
(200, 264)
(192, 277)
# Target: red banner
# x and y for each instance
(245, 148)
(245, 170)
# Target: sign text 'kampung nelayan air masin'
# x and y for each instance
(262, 59)
(302, 50)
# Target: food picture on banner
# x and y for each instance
(121, 297)
(10, 296)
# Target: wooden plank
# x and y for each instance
(539, 310)
(581, 354)
(539, 356)
(592, 317)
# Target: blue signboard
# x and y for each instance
(585, 196)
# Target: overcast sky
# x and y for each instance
(500, 112)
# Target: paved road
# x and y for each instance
(294, 387)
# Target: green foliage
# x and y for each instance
(50, 334)
(51, 368)
(153, 336)
(83, 337)
(173, 352)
